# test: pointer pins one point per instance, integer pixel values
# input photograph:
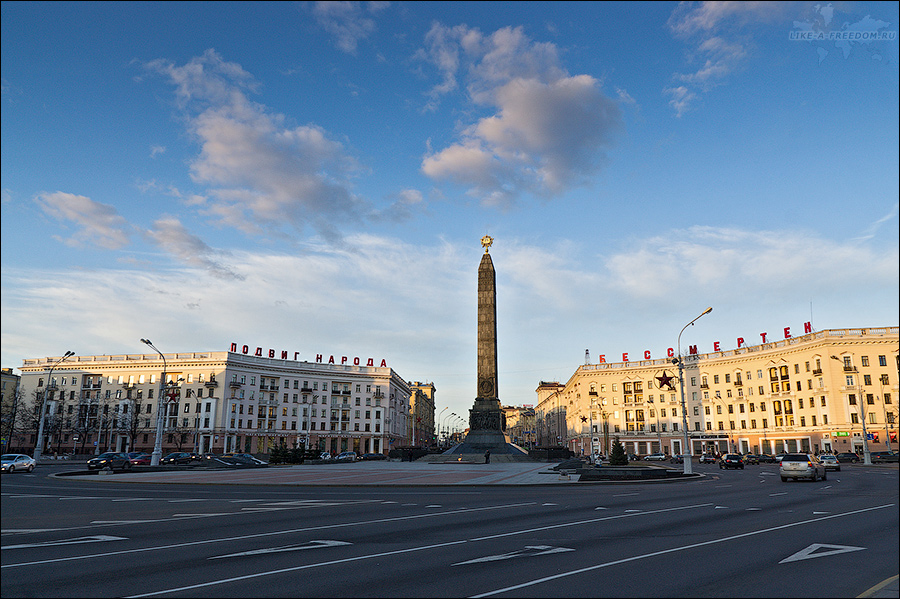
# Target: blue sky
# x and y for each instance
(316, 177)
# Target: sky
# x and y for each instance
(317, 177)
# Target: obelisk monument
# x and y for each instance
(485, 417)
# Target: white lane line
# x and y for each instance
(674, 550)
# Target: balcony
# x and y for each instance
(212, 383)
(235, 384)
(817, 371)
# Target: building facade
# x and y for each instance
(421, 422)
(212, 402)
(824, 391)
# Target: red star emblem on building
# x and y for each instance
(666, 381)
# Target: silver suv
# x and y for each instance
(802, 465)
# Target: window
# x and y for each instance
(852, 399)
(882, 361)
(887, 398)
(865, 360)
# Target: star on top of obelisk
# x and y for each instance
(486, 242)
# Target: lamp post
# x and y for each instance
(160, 406)
(440, 414)
(867, 456)
(591, 429)
(40, 439)
(445, 424)
(605, 415)
(887, 432)
(687, 451)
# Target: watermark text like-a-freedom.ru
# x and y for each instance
(842, 36)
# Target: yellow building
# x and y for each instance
(822, 391)
(421, 408)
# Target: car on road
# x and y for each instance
(655, 457)
(848, 457)
(367, 457)
(802, 465)
(18, 461)
(751, 458)
(244, 458)
(178, 457)
(346, 456)
(731, 460)
(765, 458)
(111, 460)
(139, 459)
(830, 462)
(707, 458)
(879, 457)
(677, 459)
(325, 455)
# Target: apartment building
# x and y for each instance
(823, 391)
(211, 402)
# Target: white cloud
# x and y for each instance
(549, 131)
(171, 236)
(347, 22)
(262, 175)
(95, 223)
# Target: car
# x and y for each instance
(372, 457)
(751, 458)
(140, 459)
(346, 456)
(779, 457)
(18, 461)
(655, 457)
(707, 458)
(245, 458)
(179, 457)
(765, 458)
(802, 465)
(731, 460)
(879, 457)
(848, 457)
(830, 462)
(110, 460)
(325, 455)
(677, 459)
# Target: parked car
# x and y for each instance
(325, 455)
(372, 456)
(830, 462)
(779, 457)
(179, 457)
(707, 458)
(140, 459)
(677, 459)
(246, 458)
(765, 458)
(731, 460)
(655, 457)
(751, 459)
(18, 461)
(802, 465)
(346, 456)
(111, 460)
(879, 457)
(848, 457)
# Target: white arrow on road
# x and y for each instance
(529, 551)
(810, 552)
(310, 545)
(75, 541)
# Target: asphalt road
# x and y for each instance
(739, 533)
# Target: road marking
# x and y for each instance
(310, 545)
(810, 552)
(75, 541)
(528, 551)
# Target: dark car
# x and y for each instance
(731, 460)
(751, 458)
(372, 456)
(179, 457)
(111, 460)
(879, 457)
(765, 458)
(848, 457)
(707, 458)
(677, 459)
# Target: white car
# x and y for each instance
(656, 457)
(17, 461)
(802, 465)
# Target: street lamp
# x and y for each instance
(887, 432)
(445, 424)
(605, 415)
(160, 406)
(867, 457)
(40, 440)
(441, 413)
(687, 451)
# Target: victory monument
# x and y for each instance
(486, 422)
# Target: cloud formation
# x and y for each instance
(548, 130)
(95, 223)
(347, 22)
